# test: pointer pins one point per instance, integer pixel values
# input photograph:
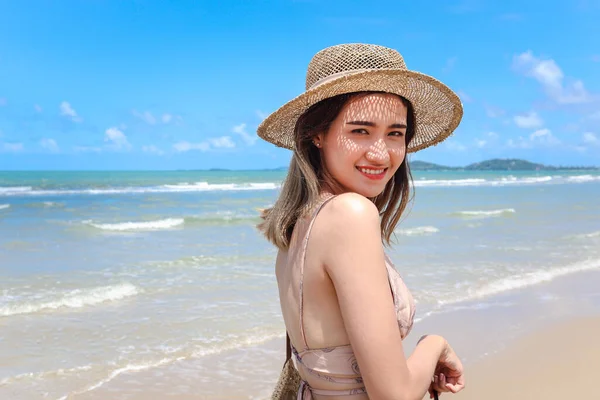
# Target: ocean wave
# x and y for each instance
(15, 189)
(583, 178)
(167, 223)
(204, 186)
(176, 188)
(218, 218)
(587, 235)
(77, 298)
(486, 213)
(221, 218)
(418, 231)
(522, 280)
(502, 181)
(450, 182)
(4, 206)
(46, 204)
(506, 181)
(178, 354)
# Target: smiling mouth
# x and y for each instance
(373, 173)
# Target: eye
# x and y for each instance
(396, 133)
(360, 131)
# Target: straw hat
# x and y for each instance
(356, 67)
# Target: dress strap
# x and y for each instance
(303, 258)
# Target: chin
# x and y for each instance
(369, 192)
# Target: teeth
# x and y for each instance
(371, 171)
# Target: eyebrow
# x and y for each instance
(368, 123)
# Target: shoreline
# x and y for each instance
(484, 336)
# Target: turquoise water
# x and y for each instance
(106, 273)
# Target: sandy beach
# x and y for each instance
(557, 362)
(545, 350)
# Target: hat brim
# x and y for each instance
(438, 110)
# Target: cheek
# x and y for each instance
(398, 155)
(342, 151)
(398, 152)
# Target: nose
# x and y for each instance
(378, 152)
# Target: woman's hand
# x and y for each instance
(448, 374)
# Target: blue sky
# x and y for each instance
(184, 84)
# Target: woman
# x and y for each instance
(345, 307)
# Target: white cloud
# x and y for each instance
(117, 138)
(166, 118)
(551, 77)
(455, 146)
(3, 101)
(543, 136)
(37, 108)
(520, 143)
(241, 130)
(145, 116)
(222, 142)
(50, 145)
(488, 139)
(12, 147)
(596, 58)
(595, 115)
(590, 138)
(528, 121)
(540, 133)
(152, 150)
(187, 146)
(68, 111)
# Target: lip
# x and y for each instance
(374, 177)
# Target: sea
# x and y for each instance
(114, 283)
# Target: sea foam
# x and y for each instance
(160, 224)
(77, 298)
(522, 280)
(486, 213)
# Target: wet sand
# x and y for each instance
(541, 342)
(557, 362)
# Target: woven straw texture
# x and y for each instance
(288, 384)
(351, 68)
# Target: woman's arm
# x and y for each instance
(354, 260)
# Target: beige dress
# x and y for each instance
(337, 365)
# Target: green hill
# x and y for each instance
(496, 164)
(427, 166)
(510, 164)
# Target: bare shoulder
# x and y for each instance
(349, 224)
(350, 210)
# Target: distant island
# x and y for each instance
(496, 164)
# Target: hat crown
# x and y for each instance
(344, 58)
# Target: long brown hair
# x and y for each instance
(306, 173)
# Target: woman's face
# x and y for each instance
(365, 144)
